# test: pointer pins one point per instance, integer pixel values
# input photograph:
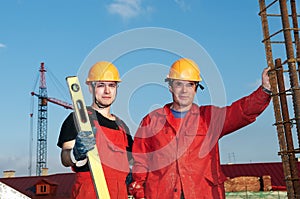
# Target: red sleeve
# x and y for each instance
(245, 110)
(225, 120)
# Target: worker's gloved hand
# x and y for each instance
(136, 189)
(85, 141)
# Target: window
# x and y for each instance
(42, 189)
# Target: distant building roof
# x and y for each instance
(63, 182)
(274, 169)
(26, 185)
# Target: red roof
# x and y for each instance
(274, 169)
(26, 185)
(64, 181)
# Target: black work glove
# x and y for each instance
(85, 141)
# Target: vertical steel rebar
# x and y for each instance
(294, 81)
(275, 99)
(296, 35)
(287, 127)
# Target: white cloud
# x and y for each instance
(2, 45)
(183, 5)
(126, 8)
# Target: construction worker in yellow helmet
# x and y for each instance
(185, 69)
(111, 136)
(175, 148)
(103, 72)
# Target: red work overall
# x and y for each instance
(111, 146)
(169, 160)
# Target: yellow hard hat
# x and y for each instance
(185, 69)
(103, 71)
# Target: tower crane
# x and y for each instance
(43, 99)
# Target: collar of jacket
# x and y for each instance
(167, 111)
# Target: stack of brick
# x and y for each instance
(242, 183)
(267, 185)
(248, 183)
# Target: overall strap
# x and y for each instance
(92, 115)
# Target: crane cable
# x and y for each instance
(31, 128)
(59, 86)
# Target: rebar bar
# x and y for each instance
(287, 128)
(285, 157)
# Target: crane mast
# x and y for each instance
(42, 121)
(41, 161)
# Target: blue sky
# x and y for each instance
(68, 35)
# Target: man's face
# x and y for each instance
(105, 92)
(183, 93)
